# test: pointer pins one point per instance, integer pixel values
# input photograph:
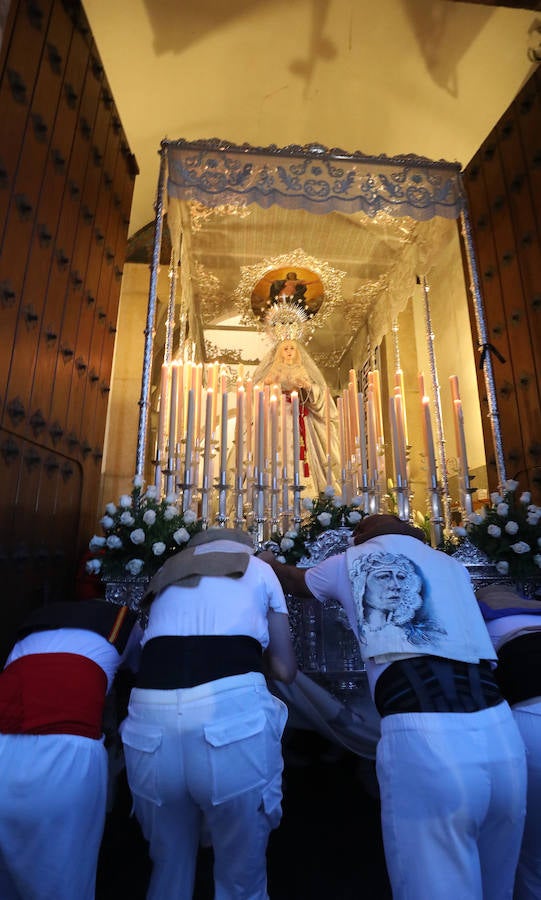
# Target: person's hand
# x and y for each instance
(267, 556)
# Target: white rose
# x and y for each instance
(114, 542)
(169, 513)
(494, 531)
(93, 566)
(125, 501)
(329, 491)
(126, 518)
(324, 519)
(537, 560)
(291, 534)
(138, 536)
(137, 481)
(286, 544)
(151, 492)
(149, 517)
(510, 485)
(106, 522)
(96, 543)
(181, 536)
(459, 531)
(502, 567)
(502, 509)
(110, 509)
(354, 517)
(520, 547)
(511, 527)
(307, 503)
(158, 548)
(337, 502)
(171, 498)
(525, 497)
(189, 517)
(281, 559)
(496, 498)
(532, 518)
(357, 501)
(134, 566)
(474, 518)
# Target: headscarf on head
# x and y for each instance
(187, 567)
(499, 600)
(381, 523)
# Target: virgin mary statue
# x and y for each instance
(291, 367)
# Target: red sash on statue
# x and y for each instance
(52, 693)
(303, 412)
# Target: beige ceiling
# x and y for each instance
(426, 77)
(429, 77)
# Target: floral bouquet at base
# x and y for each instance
(324, 513)
(140, 533)
(508, 531)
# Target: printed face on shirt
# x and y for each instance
(384, 588)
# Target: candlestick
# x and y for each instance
(396, 444)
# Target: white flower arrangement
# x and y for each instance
(508, 530)
(140, 533)
(320, 514)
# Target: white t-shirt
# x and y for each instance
(219, 605)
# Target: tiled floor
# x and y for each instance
(328, 846)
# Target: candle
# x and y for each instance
(249, 415)
(260, 431)
(189, 432)
(180, 401)
(283, 417)
(164, 385)
(399, 384)
(296, 435)
(461, 439)
(401, 434)
(240, 430)
(377, 405)
(453, 382)
(372, 435)
(223, 443)
(362, 434)
(173, 411)
(198, 398)
(353, 415)
(421, 378)
(396, 442)
(274, 438)
(341, 431)
(208, 437)
(429, 443)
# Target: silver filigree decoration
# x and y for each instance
(211, 291)
(201, 214)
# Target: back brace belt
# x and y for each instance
(433, 684)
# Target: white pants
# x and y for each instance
(528, 881)
(52, 814)
(206, 756)
(453, 798)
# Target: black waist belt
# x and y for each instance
(519, 668)
(172, 662)
(432, 684)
